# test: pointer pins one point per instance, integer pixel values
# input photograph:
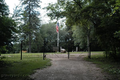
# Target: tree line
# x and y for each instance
(92, 22)
(90, 25)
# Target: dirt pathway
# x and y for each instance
(74, 68)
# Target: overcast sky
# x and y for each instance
(45, 19)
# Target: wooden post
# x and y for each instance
(44, 51)
(43, 56)
(68, 54)
(68, 50)
(21, 51)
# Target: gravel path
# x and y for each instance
(74, 68)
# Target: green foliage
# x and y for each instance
(102, 15)
(37, 43)
(72, 10)
(107, 64)
(117, 6)
(49, 34)
(3, 48)
(79, 36)
(105, 24)
(81, 32)
(3, 8)
(7, 27)
(27, 13)
(117, 9)
(56, 11)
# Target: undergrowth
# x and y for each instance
(108, 65)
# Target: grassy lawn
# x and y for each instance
(108, 65)
(12, 68)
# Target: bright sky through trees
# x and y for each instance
(44, 3)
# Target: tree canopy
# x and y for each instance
(7, 27)
(102, 15)
(28, 15)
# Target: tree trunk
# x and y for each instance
(30, 43)
(88, 45)
(29, 29)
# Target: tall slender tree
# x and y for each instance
(29, 14)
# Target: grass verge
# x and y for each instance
(108, 65)
(12, 68)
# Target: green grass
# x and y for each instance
(13, 68)
(108, 65)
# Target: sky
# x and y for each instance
(44, 17)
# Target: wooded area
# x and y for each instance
(90, 25)
(92, 22)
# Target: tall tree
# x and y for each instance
(29, 14)
(71, 10)
(103, 15)
(105, 20)
(7, 26)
